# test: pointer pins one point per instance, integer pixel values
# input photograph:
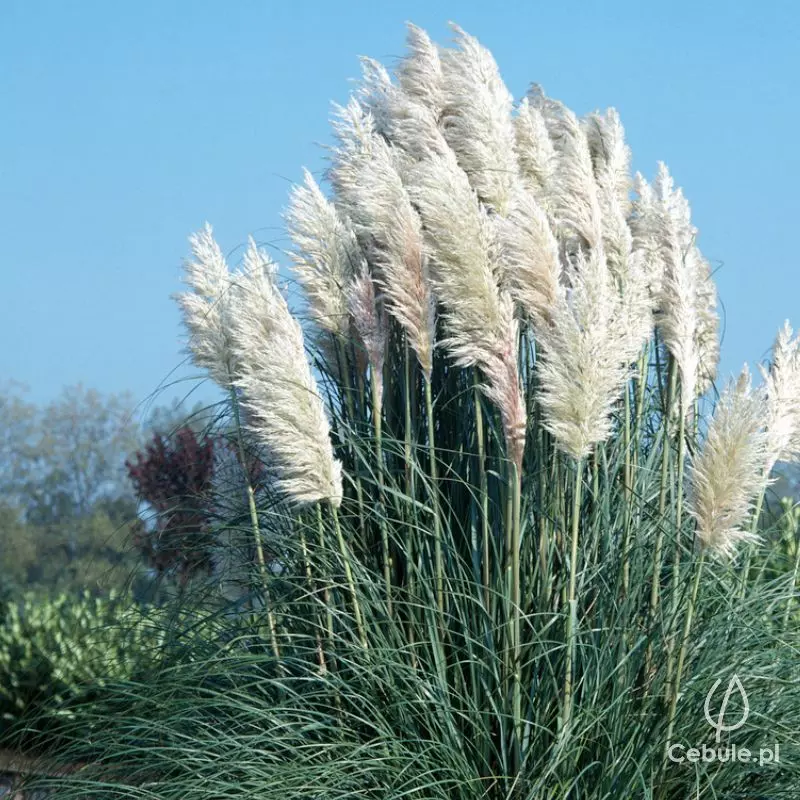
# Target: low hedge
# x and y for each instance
(55, 650)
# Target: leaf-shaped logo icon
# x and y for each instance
(719, 723)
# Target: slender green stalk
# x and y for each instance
(344, 369)
(348, 571)
(377, 427)
(434, 492)
(515, 487)
(658, 546)
(687, 627)
(544, 532)
(310, 585)
(748, 558)
(676, 560)
(572, 618)
(628, 493)
(251, 502)
(795, 572)
(411, 492)
(484, 495)
(326, 592)
(407, 432)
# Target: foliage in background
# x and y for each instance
(173, 477)
(55, 652)
(67, 509)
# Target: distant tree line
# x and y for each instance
(68, 510)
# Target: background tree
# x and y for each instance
(68, 510)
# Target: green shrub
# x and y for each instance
(52, 651)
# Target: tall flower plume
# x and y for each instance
(370, 190)
(586, 352)
(782, 387)
(481, 329)
(531, 267)
(278, 391)
(687, 316)
(535, 151)
(611, 155)
(326, 255)
(476, 120)
(629, 267)
(575, 202)
(206, 308)
(728, 473)
(369, 320)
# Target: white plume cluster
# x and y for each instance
(420, 72)
(529, 254)
(481, 328)
(536, 153)
(206, 308)
(685, 292)
(522, 212)
(729, 471)
(278, 390)
(603, 311)
(586, 355)
(476, 121)
(243, 333)
(443, 194)
(326, 255)
(371, 193)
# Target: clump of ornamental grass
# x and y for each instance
(509, 558)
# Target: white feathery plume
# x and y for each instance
(481, 330)
(414, 131)
(782, 388)
(476, 121)
(628, 267)
(420, 72)
(353, 126)
(409, 110)
(530, 256)
(637, 301)
(326, 255)
(205, 308)
(587, 199)
(677, 309)
(610, 154)
(384, 108)
(376, 94)
(687, 316)
(370, 323)
(586, 352)
(728, 473)
(708, 347)
(611, 159)
(279, 394)
(372, 193)
(536, 154)
(550, 110)
(644, 223)
(355, 132)
(576, 207)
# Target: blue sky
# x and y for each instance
(126, 125)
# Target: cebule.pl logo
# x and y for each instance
(681, 753)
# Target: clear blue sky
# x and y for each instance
(126, 125)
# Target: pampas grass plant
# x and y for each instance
(485, 582)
